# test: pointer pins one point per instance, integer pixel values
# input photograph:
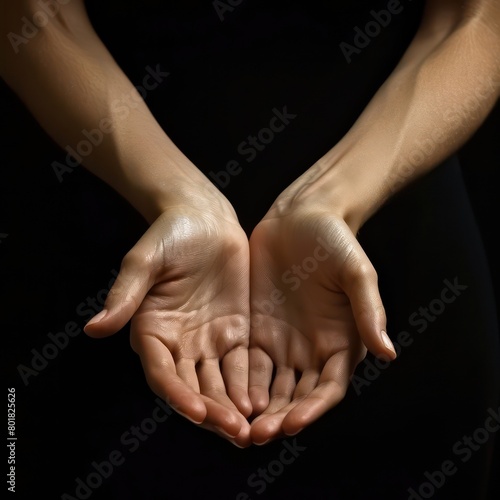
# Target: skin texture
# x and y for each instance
(184, 286)
(268, 330)
(437, 96)
(314, 300)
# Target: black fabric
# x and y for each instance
(64, 240)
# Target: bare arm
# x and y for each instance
(70, 82)
(184, 284)
(435, 99)
(304, 253)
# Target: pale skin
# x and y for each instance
(195, 290)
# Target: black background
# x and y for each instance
(61, 242)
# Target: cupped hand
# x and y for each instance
(315, 310)
(184, 286)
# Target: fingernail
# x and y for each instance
(387, 341)
(295, 433)
(222, 431)
(263, 443)
(188, 418)
(98, 317)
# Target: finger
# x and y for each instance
(269, 426)
(259, 378)
(160, 371)
(361, 286)
(242, 440)
(282, 389)
(221, 411)
(227, 421)
(235, 373)
(308, 381)
(126, 295)
(186, 370)
(331, 389)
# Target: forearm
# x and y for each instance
(435, 99)
(69, 81)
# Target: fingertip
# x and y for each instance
(292, 431)
(262, 443)
(299, 417)
(259, 435)
(91, 328)
(390, 349)
(380, 345)
(241, 440)
(245, 406)
(292, 426)
(259, 400)
(105, 323)
(241, 400)
(192, 408)
(196, 415)
(231, 428)
(266, 429)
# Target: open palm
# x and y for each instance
(315, 308)
(186, 284)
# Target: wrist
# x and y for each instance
(338, 185)
(354, 187)
(156, 186)
(201, 196)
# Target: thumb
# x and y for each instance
(361, 286)
(126, 295)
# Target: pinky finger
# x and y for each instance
(331, 389)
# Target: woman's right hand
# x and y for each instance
(184, 285)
